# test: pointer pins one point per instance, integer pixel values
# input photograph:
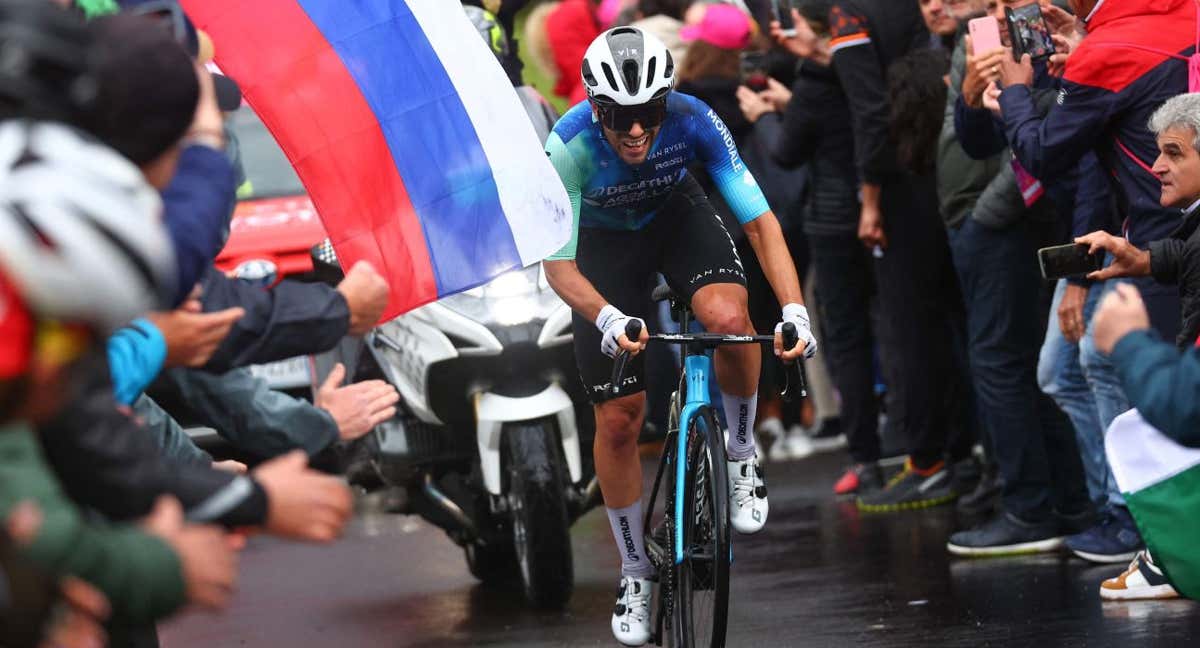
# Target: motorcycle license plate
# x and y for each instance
(285, 374)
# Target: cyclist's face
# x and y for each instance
(632, 146)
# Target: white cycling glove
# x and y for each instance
(611, 323)
(797, 314)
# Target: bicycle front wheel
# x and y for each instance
(701, 610)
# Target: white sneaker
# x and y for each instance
(747, 496)
(799, 443)
(631, 616)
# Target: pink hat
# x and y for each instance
(723, 25)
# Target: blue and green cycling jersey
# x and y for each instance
(607, 193)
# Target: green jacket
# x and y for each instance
(140, 574)
(1161, 384)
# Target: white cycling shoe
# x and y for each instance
(631, 616)
(747, 496)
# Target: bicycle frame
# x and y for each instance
(697, 369)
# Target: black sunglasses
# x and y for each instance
(622, 118)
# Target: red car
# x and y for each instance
(273, 230)
(275, 224)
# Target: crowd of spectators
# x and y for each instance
(916, 177)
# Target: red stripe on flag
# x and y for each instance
(302, 91)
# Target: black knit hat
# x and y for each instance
(148, 87)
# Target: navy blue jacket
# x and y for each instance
(197, 206)
(1112, 84)
(1081, 191)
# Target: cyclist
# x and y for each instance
(622, 155)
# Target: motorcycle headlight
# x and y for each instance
(511, 299)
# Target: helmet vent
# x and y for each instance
(650, 71)
(131, 255)
(608, 74)
(629, 69)
(588, 77)
(669, 70)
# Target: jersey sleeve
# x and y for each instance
(572, 178)
(718, 152)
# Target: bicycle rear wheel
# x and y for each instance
(701, 606)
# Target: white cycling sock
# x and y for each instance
(627, 531)
(739, 416)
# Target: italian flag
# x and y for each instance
(1161, 483)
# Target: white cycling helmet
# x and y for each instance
(81, 233)
(628, 67)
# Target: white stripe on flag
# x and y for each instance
(531, 193)
(1141, 456)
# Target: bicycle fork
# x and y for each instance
(697, 369)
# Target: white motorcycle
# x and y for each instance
(489, 443)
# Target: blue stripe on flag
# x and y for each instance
(429, 133)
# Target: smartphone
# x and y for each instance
(1028, 32)
(783, 13)
(1072, 260)
(754, 70)
(985, 35)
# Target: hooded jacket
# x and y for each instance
(1112, 85)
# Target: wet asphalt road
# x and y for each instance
(820, 574)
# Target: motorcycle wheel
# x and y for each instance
(492, 564)
(537, 501)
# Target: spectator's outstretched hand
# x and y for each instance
(208, 559)
(804, 43)
(1128, 260)
(192, 337)
(1014, 73)
(303, 504)
(1058, 60)
(1063, 24)
(870, 227)
(79, 622)
(777, 94)
(991, 99)
(366, 293)
(1070, 312)
(208, 125)
(356, 408)
(753, 106)
(981, 70)
(1121, 312)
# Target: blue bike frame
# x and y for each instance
(697, 368)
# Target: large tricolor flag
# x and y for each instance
(404, 129)
(1161, 482)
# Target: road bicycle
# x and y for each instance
(690, 545)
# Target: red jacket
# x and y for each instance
(570, 28)
(1114, 81)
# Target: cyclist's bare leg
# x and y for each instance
(722, 308)
(618, 424)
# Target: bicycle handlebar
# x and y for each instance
(795, 385)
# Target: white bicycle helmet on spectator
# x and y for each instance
(628, 67)
(81, 235)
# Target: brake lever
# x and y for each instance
(795, 386)
(633, 331)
